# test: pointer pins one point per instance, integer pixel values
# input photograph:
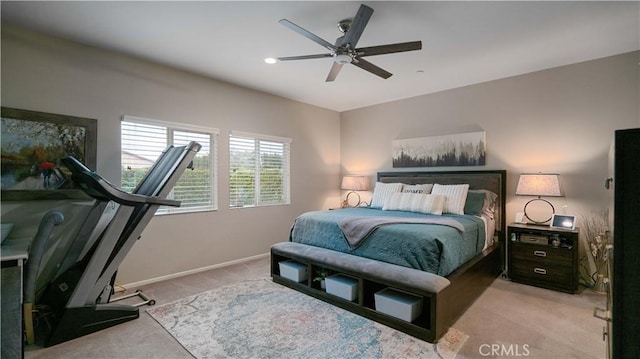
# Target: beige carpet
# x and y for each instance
(512, 320)
(553, 324)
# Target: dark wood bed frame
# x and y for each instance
(443, 307)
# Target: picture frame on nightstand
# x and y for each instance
(563, 221)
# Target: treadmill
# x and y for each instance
(77, 301)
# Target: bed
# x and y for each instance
(422, 244)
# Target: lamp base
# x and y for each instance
(553, 211)
(346, 203)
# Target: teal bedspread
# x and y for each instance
(432, 248)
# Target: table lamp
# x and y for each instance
(539, 184)
(353, 184)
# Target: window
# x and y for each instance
(258, 170)
(142, 143)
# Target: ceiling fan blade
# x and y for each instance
(318, 40)
(333, 73)
(366, 65)
(304, 57)
(389, 49)
(357, 26)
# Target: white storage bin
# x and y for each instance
(398, 304)
(293, 270)
(342, 286)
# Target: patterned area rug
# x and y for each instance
(262, 319)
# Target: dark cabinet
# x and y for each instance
(623, 327)
(544, 257)
(11, 300)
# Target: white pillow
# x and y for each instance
(456, 196)
(382, 191)
(417, 188)
(415, 202)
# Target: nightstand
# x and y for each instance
(543, 256)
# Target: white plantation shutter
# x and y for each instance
(242, 169)
(258, 170)
(142, 143)
(196, 186)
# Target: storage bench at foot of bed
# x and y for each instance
(433, 293)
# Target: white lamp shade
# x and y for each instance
(539, 184)
(355, 183)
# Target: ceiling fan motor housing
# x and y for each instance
(344, 25)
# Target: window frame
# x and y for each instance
(171, 128)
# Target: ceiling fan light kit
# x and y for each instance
(344, 51)
(342, 58)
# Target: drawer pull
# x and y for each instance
(540, 253)
(540, 271)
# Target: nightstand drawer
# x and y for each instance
(542, 274)
(544, 255)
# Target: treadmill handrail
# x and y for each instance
(111, 193)
(150, 183)
(74, 165)
(99, 188)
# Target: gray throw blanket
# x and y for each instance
(357, 229)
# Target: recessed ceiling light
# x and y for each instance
(270, 60)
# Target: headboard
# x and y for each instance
(492, 180)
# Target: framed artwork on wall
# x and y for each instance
(33, 143)
(462, 149)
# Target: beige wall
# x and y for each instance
(45, 74)
(559, 120)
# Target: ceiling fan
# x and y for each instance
(344, 51)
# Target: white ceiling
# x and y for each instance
(463, 42)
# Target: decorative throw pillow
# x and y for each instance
(456, 196)
(474, 203)
(417, 188)
(383, 190)
(489, 204)
(415, 202)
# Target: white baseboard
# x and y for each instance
(191, 271)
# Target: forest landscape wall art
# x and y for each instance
(462, 149)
